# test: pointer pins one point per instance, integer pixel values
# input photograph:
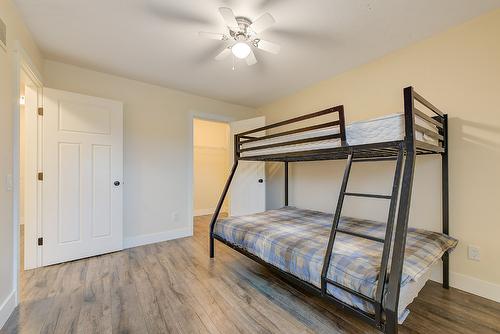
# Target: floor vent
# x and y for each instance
(3, 35)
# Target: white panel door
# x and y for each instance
(82, 176)
(248, 189)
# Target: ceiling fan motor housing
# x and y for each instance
(243, 33)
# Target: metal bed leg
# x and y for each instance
(445, 201)
(398, 250)
(286, 183)
(446, 270)
(218, 208)
(212, 246)
(394, 286)
(391, 322)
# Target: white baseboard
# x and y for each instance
(204, 212)
(145, 239)
(469, 284)
(6, 308)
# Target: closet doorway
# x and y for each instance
(211, 165)
(212, 159)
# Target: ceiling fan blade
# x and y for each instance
(262, 23)
(250, 59)
(268, 46)
(212, 35)
(228, 16)
(226, 52)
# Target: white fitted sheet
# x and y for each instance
(377, 130)
(409, 292)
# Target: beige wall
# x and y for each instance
(210, 164)
(157, 145)
(16, 31)
(459, 71)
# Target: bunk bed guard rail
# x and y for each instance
(253, 140)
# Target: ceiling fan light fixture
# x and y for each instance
(241, 36)
(241, 50)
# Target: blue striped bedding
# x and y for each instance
(295, 241)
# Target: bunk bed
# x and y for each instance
(358, 265)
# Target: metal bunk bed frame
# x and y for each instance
(404, 152)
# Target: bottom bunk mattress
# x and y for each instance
(295, 241)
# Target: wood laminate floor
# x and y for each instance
(173, 287)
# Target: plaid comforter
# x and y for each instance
(295, 241)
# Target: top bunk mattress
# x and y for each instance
(377, 130)
(295, 241)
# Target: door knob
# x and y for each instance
(261, 180)
(117, 183)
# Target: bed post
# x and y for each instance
(286, 182)
(223, 195)
(446, 208)
(343, 136)
(392, 299)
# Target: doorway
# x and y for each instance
(27, 88)
(211, 164)
(207, 179)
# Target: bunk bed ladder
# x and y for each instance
(336, 219)
(387, 240)
(379, 293)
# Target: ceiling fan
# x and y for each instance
(242, 35)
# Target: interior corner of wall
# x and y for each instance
(7, 306)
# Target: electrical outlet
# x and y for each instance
(175, 216)
(474, 253)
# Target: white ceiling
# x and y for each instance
(156, 40)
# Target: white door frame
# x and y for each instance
(22, 62)
(207, 117)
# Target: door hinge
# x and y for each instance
(40, 111)
(40, 241)
(40, 176)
